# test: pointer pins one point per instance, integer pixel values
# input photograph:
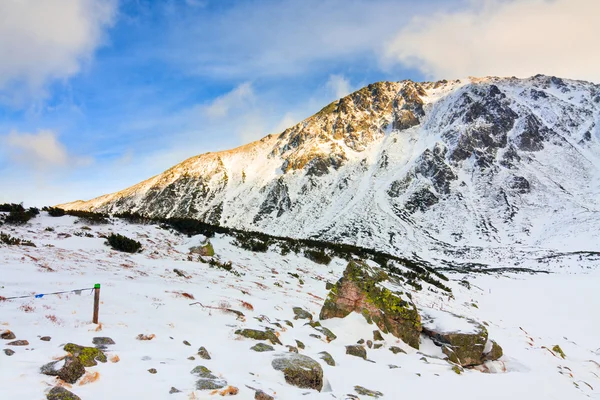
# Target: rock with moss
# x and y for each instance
(377, 336)
(361, 290)
(261, 347)
(329, 336)
(357, 351)
(463, 340)
(299, 370)
(203, 353)
(69, 369)
(367, 392)
(396, 350)
(87, 355)
(259, 335)
(300, 313)
(205, 250)
(60, 393)
(300, 344)
(325, 356)
(207, 380)
(102, 341)
(559, 351)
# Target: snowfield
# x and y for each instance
(527, 314)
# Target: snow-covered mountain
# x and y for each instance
(458, 166)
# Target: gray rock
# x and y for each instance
(299, 370)
(104, 341)
(260, 395)
(9, 352)
(60, 393)
(45, 338)
(203, 372)
(203, 353)
(357, 351)
(261, 347)
(69, 369)
(325, 356)
(259, 335)
(186, 343)
(210, 384)
(18, 343)
(300, 345)
(396, 350)
(366, 392)
(174, 390)
(152, 371)
(377, 336)
(302, 314)
(292, 349)
(370, 344)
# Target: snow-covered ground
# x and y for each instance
(141, 294)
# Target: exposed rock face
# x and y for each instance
(384, 166)
(466, 347)
(300, 370)
(360, 290)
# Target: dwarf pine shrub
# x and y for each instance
(123, 243)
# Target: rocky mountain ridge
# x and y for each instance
(447, 168)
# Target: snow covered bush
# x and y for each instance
(123, 243)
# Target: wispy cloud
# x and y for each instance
(240, 97)
(505, 38)
(338, 85)
(45, 40)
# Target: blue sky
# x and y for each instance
(97, 95)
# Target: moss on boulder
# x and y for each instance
(360, 290)
(300, 313)
(205, 250)
(259, 335)
(299, 370)
(325, 356)
(357, 351)
(261, 347)
(69, 369)
(87, 355)
(60, 393)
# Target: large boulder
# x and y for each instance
(60, 393)
(463, 340)
(87, 355)
(299, 370)
(360, 290)
(204, 250)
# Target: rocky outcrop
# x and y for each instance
(299, 370)
(88, 356)
(463, 340)
(360, 290)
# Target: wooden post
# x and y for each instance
(96, 302)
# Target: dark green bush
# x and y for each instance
(13, 241)
(54, 211)
(18, 217)
(123, 243)
(89, 216)
(318, 256)
(9, 207)
(251, 242)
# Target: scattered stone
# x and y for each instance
(302, 314)
(261, 347)
(152, 371)
(396, 350)
(377, 346)
(186, 343)
(377, 336)
(174, 390)
(314, 324)
(69, 369)
(289, 323)
(300, 344)
(180, 273)
(102, 341)
(259, 335)
(315, 336)
(366, 392)
(457, 369)
(9, 352)
(330, 336)
(203, 353)
(300, 370)
(360, 290)
(392, 366)
(424, 359)
(357, 351)
(18, 343)
(260, 395)
(209, 384)
(141, 336)
(329, 285)
(191, 358)
(370, 344)
(87, 355)
(292, 349)
(203, 372)
(60, 393)
(361, 341)
(45, 338)
(325, 356)
(7, 335)
(495, 353)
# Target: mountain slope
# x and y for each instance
(408, 167)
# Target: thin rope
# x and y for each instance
(40, 295)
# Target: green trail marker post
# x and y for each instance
(96, 302)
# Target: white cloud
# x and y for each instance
(504, 38)
(45, 40)
(239, 97)
(338, 85)
(40, 151)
